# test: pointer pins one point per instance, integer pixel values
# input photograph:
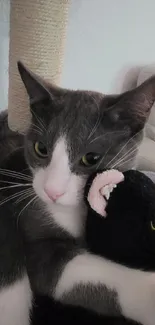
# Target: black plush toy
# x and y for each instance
(125, 235)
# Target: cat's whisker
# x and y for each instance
(20, 176)
(123, 147)
(17, 179)
(124, 158)
(119, 162)
(13, 151)
(94, 128)
(33, 124)
(37, 129)
(15, 183)
(21, 147)
(36, 126)
(105, 134)
(26, 169)
(126, 154)
(126, 161)
(13, 186)
(25, 196)
(15, 174)
(100, 162)
(26, 206)
(97, 121)
(40, 121)
(12, 197)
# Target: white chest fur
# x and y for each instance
(15, 303)
(71, 219)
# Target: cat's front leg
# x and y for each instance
(106, 287)
(61, 269)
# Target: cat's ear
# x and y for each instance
(142, 98)
(135, 105)
(35, 86)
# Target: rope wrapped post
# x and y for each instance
(37, 37)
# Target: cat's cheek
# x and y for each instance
(38, 185)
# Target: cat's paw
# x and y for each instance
(101, 188)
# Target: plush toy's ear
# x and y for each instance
(35, 86)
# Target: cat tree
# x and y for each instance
(37, 36)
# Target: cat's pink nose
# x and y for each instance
(53, 195)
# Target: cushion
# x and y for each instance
(146, 158)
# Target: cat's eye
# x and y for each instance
(90, 159)
(40, 149)
(152, 226)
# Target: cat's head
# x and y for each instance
(74, 133)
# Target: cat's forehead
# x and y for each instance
(85, 102)
(79, 111)
(72, 111)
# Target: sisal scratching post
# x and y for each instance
(37, 36)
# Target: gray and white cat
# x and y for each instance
(72, 134)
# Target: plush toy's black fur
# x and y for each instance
(126, 235)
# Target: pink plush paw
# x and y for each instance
(101, 188)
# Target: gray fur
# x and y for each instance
(9, 140)
(98, 298)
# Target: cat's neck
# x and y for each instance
(69, 218)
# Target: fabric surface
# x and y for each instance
(146, 159)
(150, 175)
(147, 150)
(37, 37)
(146, 73)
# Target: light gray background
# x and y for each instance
(105, 39)
(4, 47)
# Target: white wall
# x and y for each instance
(4, 48)
(105, 38)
